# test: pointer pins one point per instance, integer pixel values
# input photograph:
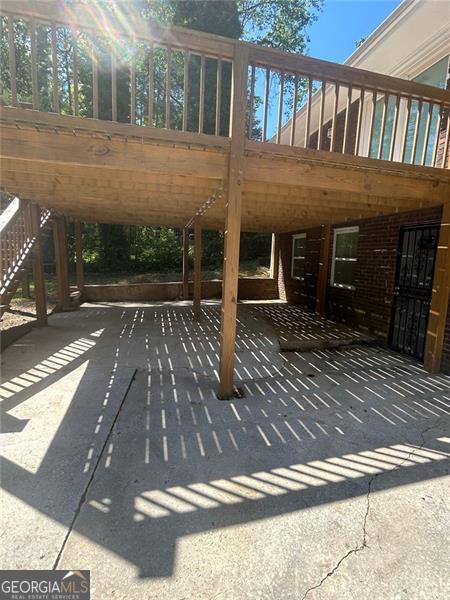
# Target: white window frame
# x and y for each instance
(297, 236)
(337, 232)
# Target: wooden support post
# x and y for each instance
(275, 256)
(233, 223)
(197, 269)
(79, 256)
(62, 271)
(26, 283)
(185, 263)
(38, 268)
(440, 298)
(322, 280)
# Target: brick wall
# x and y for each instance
(368, 306)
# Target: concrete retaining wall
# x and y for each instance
(250, 288)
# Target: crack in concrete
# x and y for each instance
(94, 470)
(364, 544)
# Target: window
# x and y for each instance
(344, 257)
(298, 256)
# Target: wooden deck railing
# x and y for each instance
(82, 62)
(78, 61)
(342, 109)
(17, 238)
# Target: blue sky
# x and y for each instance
(342, 23)
(332, 37)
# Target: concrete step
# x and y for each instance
(307, 345)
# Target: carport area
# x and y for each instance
(119, 458)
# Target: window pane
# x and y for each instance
(298, 267)
(344, 272)
(388, 130)
(346, 245)
(299, 246)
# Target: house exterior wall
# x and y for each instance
(369, 305)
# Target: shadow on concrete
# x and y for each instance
(151, 457)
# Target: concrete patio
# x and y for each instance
(328, 479)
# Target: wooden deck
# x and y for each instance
(97, 171)
(173, 173)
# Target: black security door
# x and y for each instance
(413, 287)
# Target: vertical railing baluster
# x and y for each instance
(436, 136)
(394, 127)
(294, 110)
(1, 45)
(426, 140)
(168, 85)
(405, 135)
(372, 121)
(347, 116)
(334, 121)
(113, 86)
(75, 72)
(12, 61)
(34, 81)
(360, 120)
(133, 83)
(151, 87)
(252, 102)
(55, 82)
(280, 108)
(447, 137)
(416, 132)
(201, 108)
(218, 95)
(94, 82)
(266, 104)
(308, 112)
(321, 115)
(383, 125)
(185, 89)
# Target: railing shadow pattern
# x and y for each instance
(313, 428)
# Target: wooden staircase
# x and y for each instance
(18, 237)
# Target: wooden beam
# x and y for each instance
(38, 268)
(62, 271)
(322, 280)
(233, 224)
(79, 256)
(440, 298)
(26, 283)
(275, 256)
(185, 263)
(196, 307)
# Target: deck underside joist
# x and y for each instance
(103, 175)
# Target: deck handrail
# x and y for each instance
(350, 110)
(17, 240)
(9, 214)
(337, 107)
